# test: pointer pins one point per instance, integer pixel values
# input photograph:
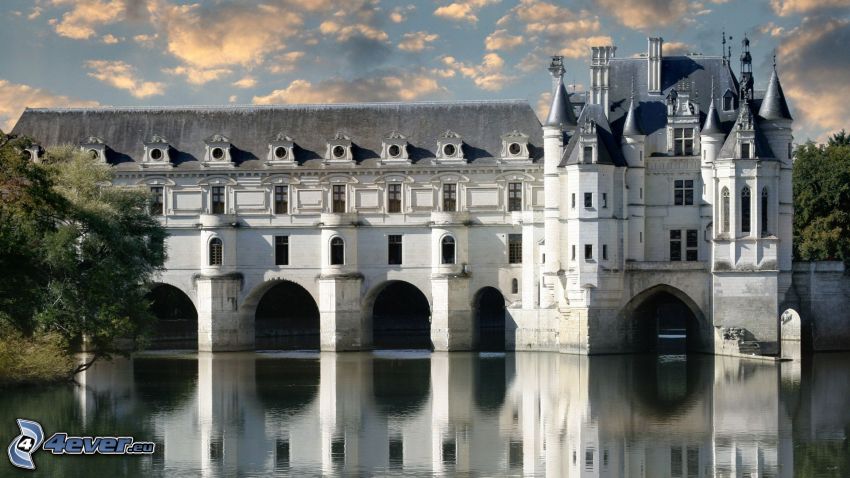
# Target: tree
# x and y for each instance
(822, 200)
(77, 255)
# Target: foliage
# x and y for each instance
(76, 254)
(822, 200)
(36, 359)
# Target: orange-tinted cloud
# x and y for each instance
(124, 77)
(790, 7)
(406, 86)
(14, 98)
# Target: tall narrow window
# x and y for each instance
(281, 200)
(514, 286)
(217, 199)
(514, 196)
(745, 150)
(745, 210)
(394, 198)
(281, 250)
(514, 248)
(156, 205)
(691, 245)
(683, 141)
(604, 200)
(604, 252)
(394, 249)
(725, 210)
(447, 250)
(216, 252)
(588, 199)
(573, 202)
(337, 251)
(683, 192)
(588, 154)
(764, 211)
(573, 252)
(338, 198)
(588, 252)
(675, 245)
(450, 197)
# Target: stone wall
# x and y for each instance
(821, 292)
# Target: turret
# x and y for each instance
(711, 136)
(633, 135)
(633, 144)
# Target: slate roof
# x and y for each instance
(609, 151)
(762, 147)
(774, 106)
(561, 112)
(250, 128)
(712, 121)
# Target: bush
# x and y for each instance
(36, 359)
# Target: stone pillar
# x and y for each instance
(341, 319)
(220, 325)
(451, 313)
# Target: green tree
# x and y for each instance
(76, 254)
(822, 200)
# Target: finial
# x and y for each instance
(633, 88)
(723, 48)
(774, 59)
(557, 66)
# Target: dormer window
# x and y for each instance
(339, 148)
(95, 147)
(683, 141)
(218, 149)
(394, 148)
(728, 101)
(745, 151)
(157, 152)
(450, 147)
(281, 150)
(515, 146)
(31, 153)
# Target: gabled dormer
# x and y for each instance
(588, 145)
(157, 153)
(95, 147)
(683, 122)
(339, 149)
(450, 148)
(394, 148)
(281, 151)
(217, 153)
(515, 147)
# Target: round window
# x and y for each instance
(217, 153)
(449, 150)
(280, 152)
(156, 154)
(27, 154)
(395, 150)
(338, 151)
(94, 154)
(514, 149)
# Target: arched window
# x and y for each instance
(725, 210)
(764, 211)
(216, 251)
(448, 250)
(337, 251)
(514, 286)
(745, 210)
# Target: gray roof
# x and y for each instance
(762, 147)
(608, 149)
(250, 129)
(631, 127)
(774, 106)
(561, 112)
(712, 121)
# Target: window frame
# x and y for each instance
(514, 248)
(157, 203)
(394, 203)
(336, 257)
(683, 145)
(281, 250)
(280, 199)
(746, 210)
(218, 201)
(338, 198)
(449, 196)
(448, 241)
(588, 252)
(395, 249)
(765, 208)
(514, 196)
(215, 252)
(683, 192)
(588, 200)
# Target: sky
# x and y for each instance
(59, 53)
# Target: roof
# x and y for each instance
(774, 106)
(609, 151)
(631, 126)
(712, 121)
(561, 111)
(251, 128)
(762, 147)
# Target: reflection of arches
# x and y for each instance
(662, 388)
(401, 385)
(287, 317)
(177, 324)
(666, 308)
(490, 382)
(489, 305)
(165, 383)
(287, 385)
(401, 316)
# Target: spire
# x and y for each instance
(774, 106)
(561, 111)
(712, 120)
(632, 127)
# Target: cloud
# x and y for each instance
(416, 41)
(110, 39)
(464, 10)
(789, 7)
(815, 74)
(501, 40)
(489, 75)
(198, 76)
(79, 23)
(404, 86)
(232, 99)
(399, 14)
(246, 82)
(645, 14)
(580, 47)
(35, 13)
(124, 77)
(14, 98)
(285, 62)
(677, 48)
(146, 40)
(345, 32)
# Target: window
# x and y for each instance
(588, 459)
(450, 197)
(604, 200)
(683, 141)
(338, 198)
(745, 150)
(394, 249)
(394, 198)
(281, 200)
(725, 210)
(588, 199)
(641, 193)
(745, 210)
(676, 245)
(156, 205)
(574, 201)
(728, 101)
(216, 252)
(790, 150)
(588, 252)
(514, 196)
(683, 192)
(337, 251)
(588, 154)
(447, 250)
(281, 250)
(514, 248)
(217, 201)
(691, 245)
(764, 211)
(604, 252)
(573, 252)
(514, 286)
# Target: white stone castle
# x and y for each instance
(663, 195)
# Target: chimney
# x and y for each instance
(599, 59)
(654, 68)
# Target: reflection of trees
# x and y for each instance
(823, 458)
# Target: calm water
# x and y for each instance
(419, 413)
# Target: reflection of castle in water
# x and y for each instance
(524, 413)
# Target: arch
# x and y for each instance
(448, 250)
(337, 251)
(514, 286)
(216, 251)
(725, 210)
(664, 308)
(400, 316)
(286, 317)
(177, 318)
(489, 313)
(746, 207)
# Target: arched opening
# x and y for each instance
(401, 318)
(337, 251)
(287, 317)
(447, 250)
(490, 319)
(216, 252)
(177, 324)
(664, 320)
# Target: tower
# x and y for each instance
(633, 144)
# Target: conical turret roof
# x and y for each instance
(561, 111)
(774, 106)
(632, 126)
(712, 121)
